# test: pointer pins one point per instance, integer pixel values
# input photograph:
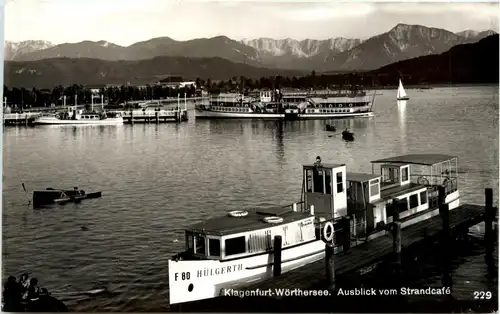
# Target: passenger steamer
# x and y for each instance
(291, 106)
(235, 249)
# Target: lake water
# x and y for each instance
(157, 179)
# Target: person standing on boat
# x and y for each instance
(318, 162)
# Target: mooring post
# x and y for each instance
(157, 116)
(330, 264)
(277, 256)
(489, 216)
(444, 213)
(396, 234)
(132, 116)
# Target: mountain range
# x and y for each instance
(47, 73)
(335, 54)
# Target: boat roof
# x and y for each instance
(417, 159)
(325, 165)
(360, 177)
(226, 225)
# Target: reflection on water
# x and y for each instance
(159, 178)
(402, 118)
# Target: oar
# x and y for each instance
(26, 193)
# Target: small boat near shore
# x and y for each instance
(233, 250)
(51, 196)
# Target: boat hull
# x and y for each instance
(205, 279)
(55, 121)
(208, 114)
(208, 280)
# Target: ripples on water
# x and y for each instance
(157, 179)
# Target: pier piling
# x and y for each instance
(346, 228)
(157, 116)
(396, 235)
(444, 213)
(277, 255)
(330, 264)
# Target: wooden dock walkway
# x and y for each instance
(364, 257)
(356, 261)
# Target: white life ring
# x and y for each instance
(220, 104)
(330, 106)
(350, 105)
(340, 106)
(273, 220)
(238, 213)
(327, 226)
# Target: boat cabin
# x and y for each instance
(245, 233)
(413, 181)
(325, 189)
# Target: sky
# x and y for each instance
(125, 22)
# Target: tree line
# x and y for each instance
(120, 94)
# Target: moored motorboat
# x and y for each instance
(339, 207)
(73, 116)
(61, 196)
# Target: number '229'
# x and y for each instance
(482, 295)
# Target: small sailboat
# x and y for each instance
(401, 92)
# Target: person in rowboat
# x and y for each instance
(33, 292)
(24, 282)
(12, 293)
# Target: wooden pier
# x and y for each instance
(27, 118)
(362, 259)
(156, 116)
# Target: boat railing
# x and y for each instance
(450, 183)
(335, 100)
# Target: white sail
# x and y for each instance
(401, 91)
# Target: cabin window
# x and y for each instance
(414, 201)
(309, 182)
(340, 184)
(328, 182)
(235, 246)
(403, 205)
(390, 175)
(404, 175)
(214, 247)
(200, 244)
(423, 197)
(189, 241)
(318, 181)
(374, 188)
